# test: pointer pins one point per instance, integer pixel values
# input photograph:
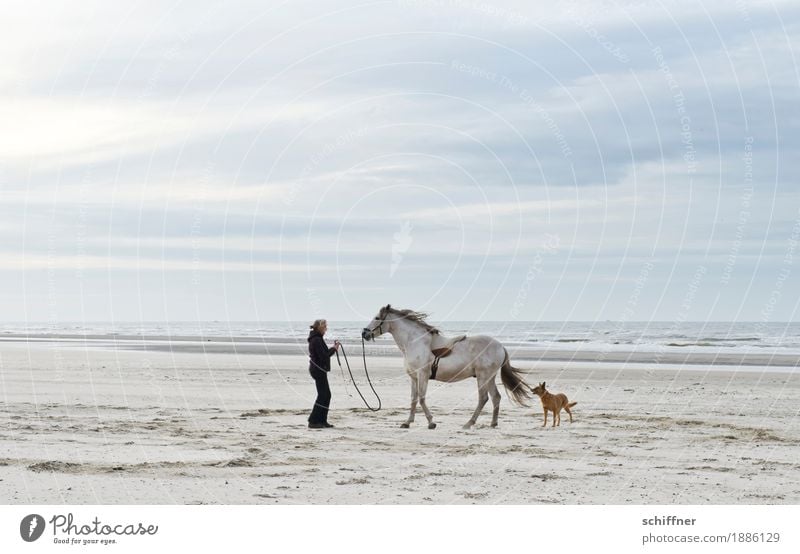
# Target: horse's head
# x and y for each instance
(378, 326)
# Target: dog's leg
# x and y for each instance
(545, 418)
(569, 412)
(556, 416)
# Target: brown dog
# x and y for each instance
(554, 403)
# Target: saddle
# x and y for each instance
(441, 347)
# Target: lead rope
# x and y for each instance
(344, 377)
(352, 379)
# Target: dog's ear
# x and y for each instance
(543, 384)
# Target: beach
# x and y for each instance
(93, 421)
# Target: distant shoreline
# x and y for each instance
(679, 355)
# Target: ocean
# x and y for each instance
(755, 337)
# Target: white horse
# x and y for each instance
(429, 355)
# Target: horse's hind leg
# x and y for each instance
(495, 394)
(414, 399)
(483, 396)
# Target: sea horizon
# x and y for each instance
(761, 338)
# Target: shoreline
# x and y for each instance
(185, 344)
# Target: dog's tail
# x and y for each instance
(518, 390)
(571, 404)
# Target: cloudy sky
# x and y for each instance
(554, 160)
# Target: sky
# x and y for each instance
(478, 160)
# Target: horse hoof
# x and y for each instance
(405, 425)
(467, 426)
(431, 426)
(494, 424)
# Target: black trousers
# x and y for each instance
(319, 414)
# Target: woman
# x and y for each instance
(319, 366)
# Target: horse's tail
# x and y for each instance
(515, 385)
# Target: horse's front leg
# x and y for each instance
(414, 399)
(422, 389)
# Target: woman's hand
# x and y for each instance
(336, 344)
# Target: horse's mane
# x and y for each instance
(416, 317)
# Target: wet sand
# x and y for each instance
(92, 422)
(385, 347)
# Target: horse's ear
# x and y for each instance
(388, 307)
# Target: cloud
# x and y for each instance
(222, 139)
(57, 132)
(34, 262)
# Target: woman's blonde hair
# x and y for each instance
(317, 324)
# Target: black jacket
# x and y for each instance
(319, 353)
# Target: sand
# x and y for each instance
(92, 423)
